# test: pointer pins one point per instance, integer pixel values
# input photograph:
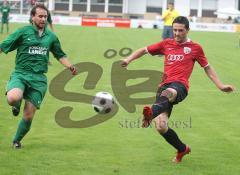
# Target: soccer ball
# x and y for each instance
(103, 103)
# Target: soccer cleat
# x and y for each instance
(147, 116)
(180, 155)
(16, 109)
(16, 145)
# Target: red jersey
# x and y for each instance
(179, 59)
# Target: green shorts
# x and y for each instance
(33, 85)
(5, 20)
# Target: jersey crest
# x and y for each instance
(187, 50)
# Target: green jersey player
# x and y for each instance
(28, 80)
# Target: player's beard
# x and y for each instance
(40, 25)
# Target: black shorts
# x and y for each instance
(181, 93)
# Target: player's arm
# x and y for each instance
(154, 49)
(135, 55)
(165, 14)
(12, 42)
(213, 76)
(58, 53)
(66, 63)
(202, 60)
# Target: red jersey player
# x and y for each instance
(180, 55)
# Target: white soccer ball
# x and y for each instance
(103, 103)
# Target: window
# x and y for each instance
(154, 10)
(115, 9)
(97, 5)
(62, 5)
(209, 7)
(97, 1)
(115, 2)
(193, 7)
(193, 12)
(80, 5)
(62, 1)
(154, 6)
(79, 1)
(115, 6)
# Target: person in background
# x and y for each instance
(168, 17)
(5, 10)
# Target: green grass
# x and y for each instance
(109, 148)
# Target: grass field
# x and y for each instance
(208, 120)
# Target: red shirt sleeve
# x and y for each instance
(201, 58)
(156, 49)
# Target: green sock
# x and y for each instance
(2, 28)
(23, 128)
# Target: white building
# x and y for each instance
(139, 8)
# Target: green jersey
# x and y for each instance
(32, 49)
(5, 12)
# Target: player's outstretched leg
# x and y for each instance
(161, 105)
(171, 136)
(25, 124)
(23, 128)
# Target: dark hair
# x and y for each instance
(182, 20)
(171, 3)
(41, 6)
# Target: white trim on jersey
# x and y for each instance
(206, 65)
(147, 50)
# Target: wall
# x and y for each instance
(227, 4)
(155, 3)
(183, 7)
(137, 6)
